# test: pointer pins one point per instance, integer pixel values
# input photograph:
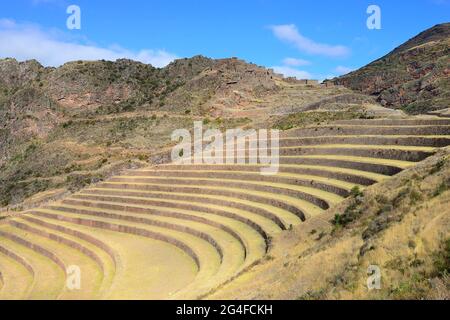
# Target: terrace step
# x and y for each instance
(250, 236)
(361, 129)
(347, 175)
(99, 252)
(142, 264)
(211, 259)
(320, 198)
(257, 212)
(396, 122)
(393, 152)
(403, 153)
(49, 271)
(375, 165)
(182, 209)
(17, 275)
(299, 208)
(437, 141)
(330, 185)
(70, 253)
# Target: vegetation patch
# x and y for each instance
(351, 214)
(303, 119)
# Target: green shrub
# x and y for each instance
(351, 213)
(337, 221)
(441, 189)
(415, 196)
(143, 157)
(441, 260)
(356, 192)
(438, 166)
(67, 124)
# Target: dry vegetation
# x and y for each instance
(78, 183)
(405, 232)
(414, 77)
(68, 127)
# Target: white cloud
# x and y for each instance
(26, 41)
(292, 72)
(295, 62)
(290, 34)
(289, 68)
(343, 70)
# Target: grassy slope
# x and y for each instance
(395, 232)
(405, 232)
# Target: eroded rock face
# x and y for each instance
(125, 85)
(414, 77)
(26, 112)
(82, 85)
(222, 85)
(14, 74)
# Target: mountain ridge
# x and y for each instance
(413, 77)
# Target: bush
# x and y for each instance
(67, 124)
(440, 189)
(438, 166)
(350, 214)
(76, 182)
(356, 192)
(441, 260)
(337, 221)
(143, 157)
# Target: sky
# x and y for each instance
(302, 38)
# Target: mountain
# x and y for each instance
(86, 115)
(34, 100)
(414, 77)
(62, 128)
(359, 185)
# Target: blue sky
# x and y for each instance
(315, 39)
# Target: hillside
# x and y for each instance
(63, 128)
(414, 77)
(225, 231)
(86, 180)
(404, 232)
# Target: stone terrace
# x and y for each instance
(179, 231)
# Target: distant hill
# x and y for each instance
(413, 77)
(87, 115)
(62, 128)
(35, 99)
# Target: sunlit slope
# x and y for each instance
(180, 231)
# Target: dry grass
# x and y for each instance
(319, 261)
